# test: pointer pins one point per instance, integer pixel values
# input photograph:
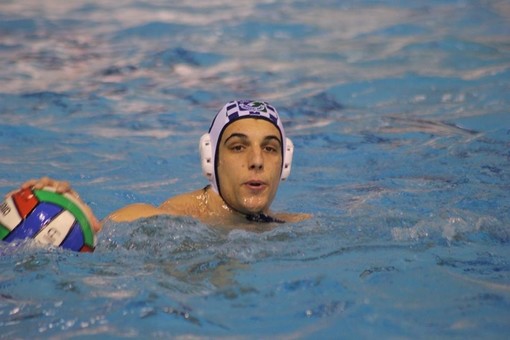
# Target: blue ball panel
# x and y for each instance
(42, 214)
(74, 240)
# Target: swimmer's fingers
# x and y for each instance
(59, 186)
(10, 193)
(28, 184)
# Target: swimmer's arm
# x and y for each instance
(180, 205)
(136, 211)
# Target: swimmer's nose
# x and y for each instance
(256, 161)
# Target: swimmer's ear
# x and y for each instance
(205, 149)
(287, 158)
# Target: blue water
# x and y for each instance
(399, 111)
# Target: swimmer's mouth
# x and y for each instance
(255, 184)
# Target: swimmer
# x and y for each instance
(244, 155)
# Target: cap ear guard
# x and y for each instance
(287, 158)
(205, 148)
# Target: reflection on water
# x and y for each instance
(399, 115)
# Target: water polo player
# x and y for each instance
(244, 155)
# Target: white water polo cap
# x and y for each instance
(231, 112)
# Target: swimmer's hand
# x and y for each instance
(61, 187)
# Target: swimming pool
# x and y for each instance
(399, 114)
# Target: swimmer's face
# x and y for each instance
(249, 165)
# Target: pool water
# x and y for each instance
(399, 114)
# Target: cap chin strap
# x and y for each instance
(207, 161)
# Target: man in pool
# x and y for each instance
(244, 156)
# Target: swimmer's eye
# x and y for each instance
(237, 148)
(271, 149)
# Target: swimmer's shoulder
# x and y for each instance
(292, 217)
(188, 203)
